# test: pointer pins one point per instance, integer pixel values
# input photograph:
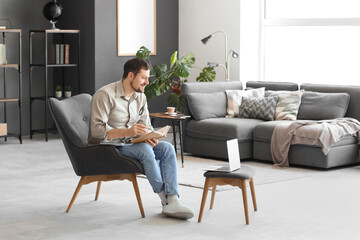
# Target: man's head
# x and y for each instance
(137, 72)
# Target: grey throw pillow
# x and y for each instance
(207, 105)
(259, 108)
(319, 106)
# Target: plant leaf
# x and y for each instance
(159, 71)
(143, 53)
(182, 70)
(189, 59)
(173, 59)
(207, 74)
(173, 100)
(178, 101)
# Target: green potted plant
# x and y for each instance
(163, 78)
(67, 91)
(58, 91)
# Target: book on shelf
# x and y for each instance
(67, 49)
(61, 57)
(2, 53)
(57, 53)
(160, 133)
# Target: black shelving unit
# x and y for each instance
(5, 99)
(56, 36)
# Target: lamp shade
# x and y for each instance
(206, 39)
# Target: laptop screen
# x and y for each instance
(233, 154)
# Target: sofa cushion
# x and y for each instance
(234, 98)
(319, 106)
(222, 129)
(288, 105)
(263, 133)
(259, 108)
(207, 105)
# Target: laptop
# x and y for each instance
(233, 156)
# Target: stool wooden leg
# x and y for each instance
(252, 188)
(203, 201)
(243, 189)
(97, 190)
(212, 196)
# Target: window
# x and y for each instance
(313, 41)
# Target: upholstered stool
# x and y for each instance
(237, 178)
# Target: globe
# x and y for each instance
(53, 12)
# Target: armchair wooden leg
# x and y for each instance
(212, 196)
(97, 190)
(243, 189)
(137, 193)
(203, 201)
(77, 190)
(252, 188)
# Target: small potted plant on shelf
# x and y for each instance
(58, 91)
(67, 91)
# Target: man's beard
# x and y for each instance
(137, 90)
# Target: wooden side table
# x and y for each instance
(175, 120)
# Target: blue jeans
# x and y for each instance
(159, 164)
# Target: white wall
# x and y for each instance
(249, 44)
(200, 18)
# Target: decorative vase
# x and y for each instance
(53, 12)
(58, 94)
(67, 94)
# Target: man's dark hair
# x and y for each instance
(134, 65)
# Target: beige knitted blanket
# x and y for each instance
(322, 133)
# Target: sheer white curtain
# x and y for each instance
(312, 41)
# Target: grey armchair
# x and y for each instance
(92, 163)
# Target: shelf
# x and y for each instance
(9, 99)
(10, 30)
(15, 98)
(54, 65)
(16, 66)
(55, 31)
(52, 78)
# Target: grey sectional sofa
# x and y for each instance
(206, 133)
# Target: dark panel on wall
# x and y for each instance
(25, 15)
(108, 66)
(79, 14)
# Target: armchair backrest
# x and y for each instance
(72, 117)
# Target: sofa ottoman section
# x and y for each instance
(343, 152)
(208, 137)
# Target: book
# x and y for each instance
(57, 53)
(67, 48)
(61, 57)
(53, 54)
(2, 54)
(160, 133)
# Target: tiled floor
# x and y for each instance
(37, 182)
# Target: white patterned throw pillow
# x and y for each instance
(288, 104)
(234, 99)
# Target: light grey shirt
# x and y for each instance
(111, 110)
